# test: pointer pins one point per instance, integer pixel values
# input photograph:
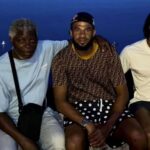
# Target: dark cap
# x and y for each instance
(83, 16)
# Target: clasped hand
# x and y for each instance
(97, 134)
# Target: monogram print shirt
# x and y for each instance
(90, 79)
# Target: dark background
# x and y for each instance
(120, 21)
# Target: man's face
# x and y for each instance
(24, 43)
(82, 33)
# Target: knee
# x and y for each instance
(55, 142)
(147, 132)
(148, 135)
(76, 140)
(58, 141)
(138, 135)
(138, 138)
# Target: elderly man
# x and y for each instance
(32, 60)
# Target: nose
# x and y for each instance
(82, 33)
(29, 42)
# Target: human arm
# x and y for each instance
(117, 80)
(60, 88)
(8, 126)
(118, 106)
(98, 137)
(63, 106)
(59, 45)
(125, 60)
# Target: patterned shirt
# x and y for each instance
(90, 79)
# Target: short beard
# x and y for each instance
(83, 48)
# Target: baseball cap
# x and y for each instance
(83, 16)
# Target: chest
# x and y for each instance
(95, 68)
(141, 64)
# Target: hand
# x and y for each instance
(90, 128)
(97, 138)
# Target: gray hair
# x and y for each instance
(20, 25)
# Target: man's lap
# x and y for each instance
(52, 132)
(99, 114)
(138, 105)
(51, 127)
(7, 142)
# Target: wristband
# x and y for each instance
(84, 122)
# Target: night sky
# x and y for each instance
(120, 21)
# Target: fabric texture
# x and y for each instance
(98, 111)
(33, 77)
(136, 57)
(139, 104)
(83, 16)
(7, 142)
(88, 81)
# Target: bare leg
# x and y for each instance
(75, 137)
(143, 116)
(132, 133)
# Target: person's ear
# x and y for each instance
(10, 38)
(70, 33)
(94, 32)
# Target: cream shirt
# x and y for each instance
(136, 57)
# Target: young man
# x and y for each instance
(136, 57)
(33, 61)
(90, 91)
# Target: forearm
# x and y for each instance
(112, 120)
(70, 112)
(8, 126)
(63, 106)
(118, 108)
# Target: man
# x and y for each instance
(90, 91)
(136, 57)
(32, 60)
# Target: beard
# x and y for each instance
(83, 48)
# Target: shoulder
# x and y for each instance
(62, 56)
(65, 51)
(44, 43)
(4, 59)
(134, 47)
(105, 46)
(51, 43)
(4, 65)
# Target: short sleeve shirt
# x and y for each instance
(90, 79)
(136, 57)
(32, 74)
